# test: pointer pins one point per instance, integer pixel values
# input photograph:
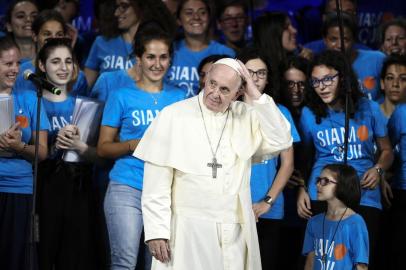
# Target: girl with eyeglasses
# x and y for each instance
(64, 187)
(322, 129)
(269, 177)
(338, 238)
(293, 87)
(294, 84)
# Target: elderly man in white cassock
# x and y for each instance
(196, 199)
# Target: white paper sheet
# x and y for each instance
(87, 116)
(7, 118)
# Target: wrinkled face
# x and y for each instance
(155, 61)
(125, 14)
(203, 74)
(9, 68)
(232, 23)
(296, 80)
(394, 83)
(259, 73)
(50, 29)
(333, 40)
(221, 88)
(194, 18)
(325, 83)
(22, 16)
(58, 66)
(327, 191)
(289, 37)
(394, 41)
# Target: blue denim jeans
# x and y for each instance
(122, 207)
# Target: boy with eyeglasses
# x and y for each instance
(232, 21)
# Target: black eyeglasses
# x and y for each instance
(298, 84)
(122, 7)
(326, 81)
(324, 181)
(231, 20)
(261, 73)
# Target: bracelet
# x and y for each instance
(22, 150)
(303, 186)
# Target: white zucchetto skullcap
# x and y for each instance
(232, 63)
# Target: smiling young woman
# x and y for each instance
(112, 50)
(19, 18)
(47, 25)
(128, 112)
(194, 16)
(16, 175)
(64, 187)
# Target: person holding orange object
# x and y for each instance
(17, 153)
(322, 130)
(338, 237)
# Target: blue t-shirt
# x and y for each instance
(328, 139)
(110, 54)
(131, 110)
(183, 72)
(79, 88)
(16, 172)
(367, 66)
(397, 135)
(110, 81)
(349, 247)
(263, 175)
(106, 83)
(59, 115)
(318, 46)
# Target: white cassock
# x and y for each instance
(209, 222)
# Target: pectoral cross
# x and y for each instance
(214, 165)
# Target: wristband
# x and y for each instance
(304, 187)
(22, 150)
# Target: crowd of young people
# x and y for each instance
(312, 210)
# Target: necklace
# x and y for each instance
(324, 255)
(214, 165)
(141, 86)
(337, 151)
(155, 99)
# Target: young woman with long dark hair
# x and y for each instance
(322, 129)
